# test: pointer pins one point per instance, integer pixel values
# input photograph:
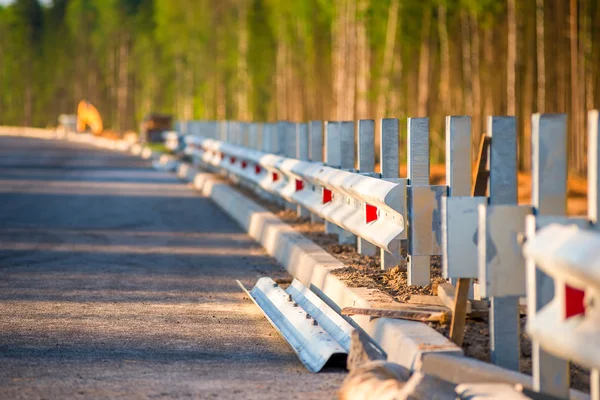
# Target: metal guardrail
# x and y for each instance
(569, 326)
(368, 207)
(478, 237)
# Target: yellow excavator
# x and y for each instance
(88, 116)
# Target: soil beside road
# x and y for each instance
(117, 280)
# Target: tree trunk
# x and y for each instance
(444, 60)
(488, 55)
(541, 60)
(350, 57)
(280, 80)
(339, 52)
(363, 61)
(467, 67)
(221, 89)
(242, 66)
(123, 90)
(477, 128)
(27, 103)
(574, 114)
(528, 96)
(388, 57)
(423, 97)
(511, 59)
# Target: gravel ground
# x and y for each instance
(119, 281)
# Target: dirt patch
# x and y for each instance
(365, 271)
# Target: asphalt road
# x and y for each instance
(118, 281)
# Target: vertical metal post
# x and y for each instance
(504, 310)
(366, 164)
(315, 138)
(228, 131)
(302, 154)
(333, 153)
(346, 149)
(458, 155)
(549, 197)
(333, 158)
(280, 143)
(593, 177)
(290, 139)
(418, 175)
(259, 129)
(347, 145)
(458, 181)
(289, 143)
(252, 135)
(267, 137)
(315, 153)
(389, 137)
(593, 207)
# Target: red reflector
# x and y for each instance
(299, 185)
(275, 176)
(257, 169)
(244, 164)
(233, 160)
(371, 213)
(574, 302)
(327, 196)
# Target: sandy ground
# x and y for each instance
(118, 281)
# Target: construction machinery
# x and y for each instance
(87, 115)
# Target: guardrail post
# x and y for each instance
(593, 179)
(223, 131)
(289, 149)
(425, 225)
(333, 158)
(366, 164)
(459, 209)
(315, 154)
(389, 137)
(347, 163)
(280, 141)
(252, 136)
(418, 175)
(549, 198)
(459, 220)
(245, 133)
(302, 154)
(267, 137)
(500, 224)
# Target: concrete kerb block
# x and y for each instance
(186, 172)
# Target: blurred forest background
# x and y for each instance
(259, 60)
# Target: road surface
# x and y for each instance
(117, 280)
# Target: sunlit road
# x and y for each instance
(119, 281)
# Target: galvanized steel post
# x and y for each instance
(315, 154)
(389, 137)
(366, 164)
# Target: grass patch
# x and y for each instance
(159, 147)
